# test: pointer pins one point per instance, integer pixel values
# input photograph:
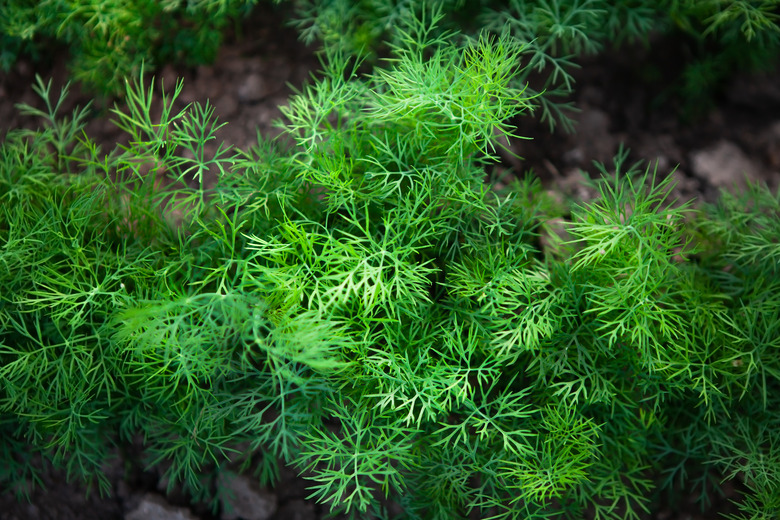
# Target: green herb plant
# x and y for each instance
(360, 303)
(109, 40)
(722, 37)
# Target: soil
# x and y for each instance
(738, 139)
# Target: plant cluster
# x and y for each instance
(723, 36)
(362, 304)
(109, 40)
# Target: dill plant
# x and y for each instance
(722, 37)
(109, 40)
(361, 304)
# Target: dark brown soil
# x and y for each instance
(248, 82)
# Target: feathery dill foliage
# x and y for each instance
(362, 305)
(109, 40)
(723, 36)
